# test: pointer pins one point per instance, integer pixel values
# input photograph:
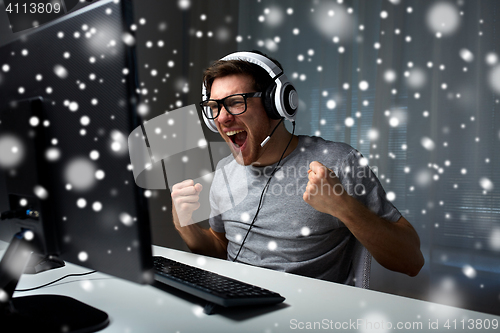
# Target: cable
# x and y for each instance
(48, 284)
(263, 191)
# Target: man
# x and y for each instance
(318, 205)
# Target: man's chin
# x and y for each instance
(238, 157)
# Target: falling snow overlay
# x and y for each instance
(401, 84)
(414, 86)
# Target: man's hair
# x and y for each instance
(221, 68)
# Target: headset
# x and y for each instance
(280, 99)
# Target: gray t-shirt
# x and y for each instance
(288, 234)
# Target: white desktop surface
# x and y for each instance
(143, 308)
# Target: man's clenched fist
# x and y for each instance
(324, 190)
(185, 200)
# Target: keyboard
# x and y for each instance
(214, 288)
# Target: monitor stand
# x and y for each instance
(39, 313)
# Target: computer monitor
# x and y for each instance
(67, 104)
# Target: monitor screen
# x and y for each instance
(67, 102)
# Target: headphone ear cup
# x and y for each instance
(268, 101)
(291, 100)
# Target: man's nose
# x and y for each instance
(224, 115)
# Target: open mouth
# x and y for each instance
(238, 137)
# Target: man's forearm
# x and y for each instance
(395, 245)
(199, 240)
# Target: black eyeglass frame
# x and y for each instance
(223, 102)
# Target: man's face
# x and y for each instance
(243, 133)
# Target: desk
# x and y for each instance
(143, 308)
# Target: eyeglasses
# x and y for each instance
(234, 104)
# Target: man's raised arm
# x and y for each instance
(185, 200)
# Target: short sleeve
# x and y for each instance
(361, 182)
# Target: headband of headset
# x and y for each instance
(282, 100)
